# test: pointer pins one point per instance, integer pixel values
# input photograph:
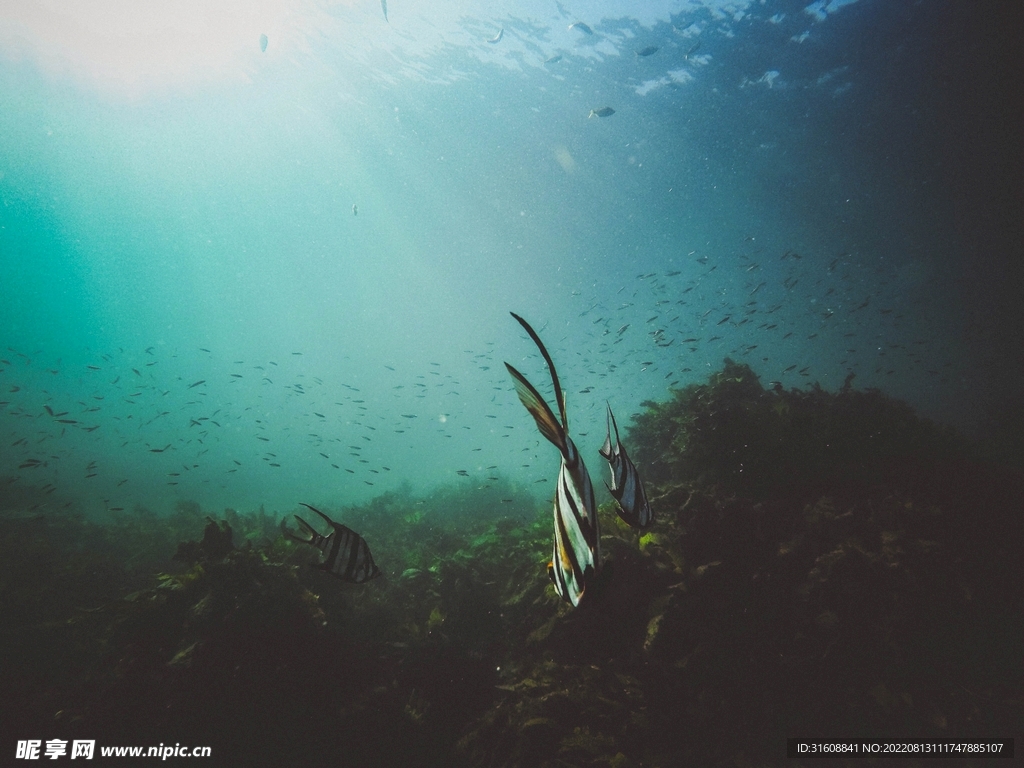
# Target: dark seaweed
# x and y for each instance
(822, 564)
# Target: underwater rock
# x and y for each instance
(863, 599)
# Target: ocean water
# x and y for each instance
(245, 277)
(330, 233)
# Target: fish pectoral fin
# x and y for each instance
(534, 403)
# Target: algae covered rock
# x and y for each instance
(820, 563)
(216, 543)
(779, 443)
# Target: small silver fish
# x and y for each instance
(581, 27)
(648, 51)
(355, 209)
(497, 37)
(602, 112)
(384, 7)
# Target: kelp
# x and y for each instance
(778, 443)
(821, 563)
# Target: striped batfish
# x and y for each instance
(346, 554)
(576, 554)
(627, 488)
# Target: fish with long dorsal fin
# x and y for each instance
(576, 553)
(627, 488)
(346, 554)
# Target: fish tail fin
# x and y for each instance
(546, 421)
(559, 396)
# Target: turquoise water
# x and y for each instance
(329, 234)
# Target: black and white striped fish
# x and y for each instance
(576, 554)
(627, 488)
(346, 554)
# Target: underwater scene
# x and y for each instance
(511, 384)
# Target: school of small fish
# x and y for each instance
(753, 306)
(134, 409)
